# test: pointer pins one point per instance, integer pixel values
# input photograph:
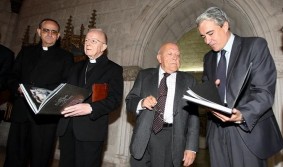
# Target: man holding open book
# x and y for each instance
(83, 129)
(32, 138)
(249, 135)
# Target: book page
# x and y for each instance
(34, 95)
(66, 95)
(193, 94)
(209, 104)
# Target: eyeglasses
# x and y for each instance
(93, 41)
(47, 31)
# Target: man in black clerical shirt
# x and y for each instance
(84, 127)
(32, 138)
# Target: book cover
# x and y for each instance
(44, 101)
(99, 91)
(206, 94)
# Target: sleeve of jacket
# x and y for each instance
(115, 94)
(134, 96)
(14, 79)
(261, 90)
(193, 124)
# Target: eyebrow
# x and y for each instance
(208, 32)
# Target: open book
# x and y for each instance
(206, 94)
(44, 101)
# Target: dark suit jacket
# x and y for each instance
(260, 132)
(94, 127)
(41, 69)
(6, 62)
(185, 121)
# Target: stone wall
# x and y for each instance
(135, 31)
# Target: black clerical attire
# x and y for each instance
(81, 138)
(32, 137)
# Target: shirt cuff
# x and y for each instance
(139, 107)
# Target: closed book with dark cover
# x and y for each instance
(99, 91)
(206, 94)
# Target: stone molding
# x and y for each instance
(130, 72)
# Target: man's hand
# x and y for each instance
(77, 110)
(20, 91)
(149, 102)
(236, 116)
(189, 157)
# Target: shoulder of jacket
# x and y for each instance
(112, 63)
(185, 74)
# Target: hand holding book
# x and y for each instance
(43, 101)
(206, 94)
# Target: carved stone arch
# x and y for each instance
(145, 25)
(163, 21)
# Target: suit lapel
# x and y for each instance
(152, 81)
(235, 53)
(212, 65)
(179, 90)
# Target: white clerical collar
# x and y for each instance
(92, 60)
(45, 48)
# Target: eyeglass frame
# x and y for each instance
(93, 41)
(47, 31)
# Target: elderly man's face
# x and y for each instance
(169, 57)
(94, 44)
(49, 33)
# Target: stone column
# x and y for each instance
(120, 127)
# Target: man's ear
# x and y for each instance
(104, 46)
(58, 36)
(226, 26)
(159, 58)
(38, 31)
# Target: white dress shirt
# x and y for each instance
(171, 84)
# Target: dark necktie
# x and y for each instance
(221, 75)
(160, 106)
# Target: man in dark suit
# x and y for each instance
(177, 140)
(32, 138)
(84, 127)
(250, 134)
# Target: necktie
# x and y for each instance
(160, 106)
(221, 75)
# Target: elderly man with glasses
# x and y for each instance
(83, 129)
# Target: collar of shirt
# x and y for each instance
(92, 60)
(227, 48)
(169, 105)
(161, 74)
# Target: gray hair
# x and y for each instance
(214, 14)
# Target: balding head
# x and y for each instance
(169, 57)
